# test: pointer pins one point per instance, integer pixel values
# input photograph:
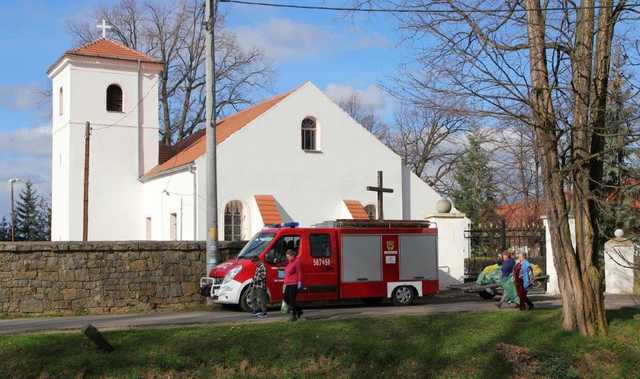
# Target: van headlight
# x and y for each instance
(231, 274)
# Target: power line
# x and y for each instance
(406, 10)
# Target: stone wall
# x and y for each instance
(100, 277)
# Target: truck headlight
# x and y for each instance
(231, 274)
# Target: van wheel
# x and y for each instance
(403, 295)
(244, 300)
(372, 300)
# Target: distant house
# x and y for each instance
(521, 214)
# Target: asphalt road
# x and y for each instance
(448, 302)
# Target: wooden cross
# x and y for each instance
(380, 190)
(104, 26)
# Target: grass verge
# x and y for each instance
(495, 344)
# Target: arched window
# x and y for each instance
(371, 211)
(233, 221)
(114, 98)
(309, 134)
(60, 102)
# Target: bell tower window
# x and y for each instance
(309, 131)
(114, 98)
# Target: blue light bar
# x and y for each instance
(291, 224)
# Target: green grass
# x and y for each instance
(451, 345)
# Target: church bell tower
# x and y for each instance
(114, 89)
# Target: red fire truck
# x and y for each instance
(368, 260)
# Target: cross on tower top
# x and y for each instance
(380, 190)
(104, 26)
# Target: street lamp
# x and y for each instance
(12, 181)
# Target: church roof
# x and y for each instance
(106, 48)
(224, 129)
(356, 209)
(268, 209)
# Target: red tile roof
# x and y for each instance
(106, 48)
(268, 209)
(225, 128)
(518, 214)
(356, 209)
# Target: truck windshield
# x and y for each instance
(256, 245)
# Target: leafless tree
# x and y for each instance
(517, 164)
(428, 139)
(365, 116)
(549, 70)
(173, 32)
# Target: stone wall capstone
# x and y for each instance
(101, 277)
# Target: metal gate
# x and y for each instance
(487, 241)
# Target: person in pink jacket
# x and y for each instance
(292, 284)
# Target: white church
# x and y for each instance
(295, 157)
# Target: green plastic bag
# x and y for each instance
(509, 289)
(284, 308)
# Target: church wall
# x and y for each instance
(158, 205)
(423, 198)
(149, 118)
(265, 157)
(60, 138)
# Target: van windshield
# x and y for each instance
(256, 245)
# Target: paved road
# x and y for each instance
(443, 303)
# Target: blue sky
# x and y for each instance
(339, 53)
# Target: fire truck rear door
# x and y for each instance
(320, 267)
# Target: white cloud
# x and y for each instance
(21, 98)
(30, 141)
(371, 97)
(283, 39)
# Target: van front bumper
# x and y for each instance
(222, 293)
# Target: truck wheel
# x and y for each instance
(244, 300)
(373, 300)
(403, 295)
(487, 294)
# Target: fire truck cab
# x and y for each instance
(368, 260)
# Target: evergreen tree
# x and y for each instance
(618, 204)
(475, 189)
(5, 230)
(28, 214)
(44, 220)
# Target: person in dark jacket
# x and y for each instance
(259, 289)
(293, 284)
(506, 268)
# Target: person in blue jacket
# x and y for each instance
(523, 279)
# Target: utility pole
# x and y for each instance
(13, 209)
(211, 7)
(85, 206)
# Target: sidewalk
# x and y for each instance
(443, 303)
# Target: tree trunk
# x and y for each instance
(580, 288)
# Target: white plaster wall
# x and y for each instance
(553, 287)
(453, 247)
(265, 158)
(178, 199)
(60, 156)
(115, 194)
(618, 266)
